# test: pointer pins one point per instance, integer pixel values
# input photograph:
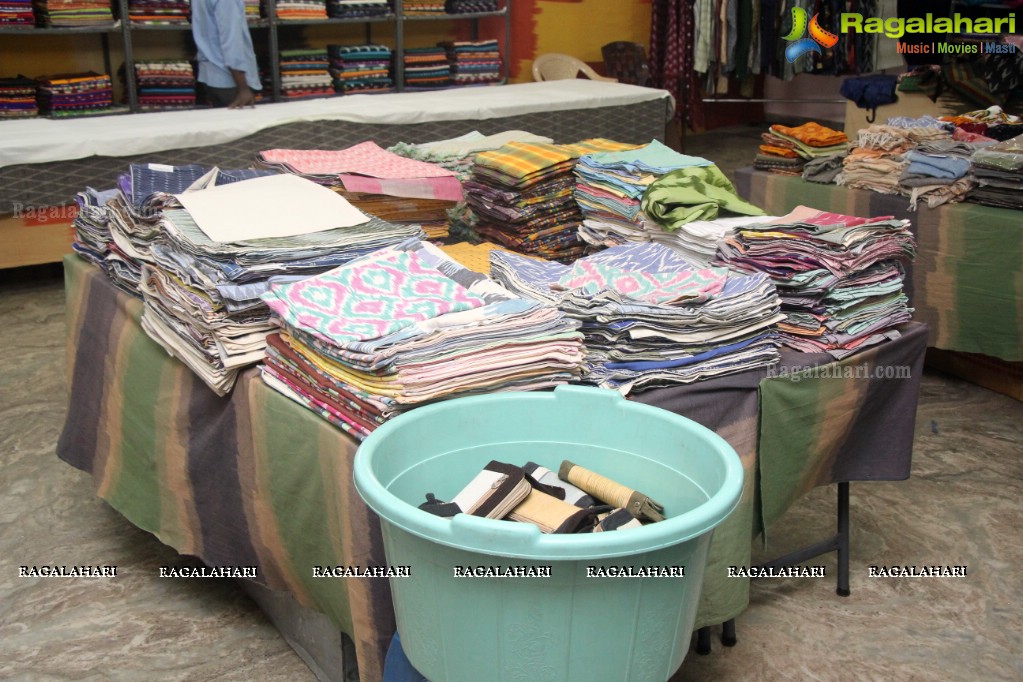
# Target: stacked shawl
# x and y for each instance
(839, 277)
(304, 73)
(456, 154)
(159, 12)
(301, 10)
(74, 13)
(474, 62)
(426, 68)
(76, 94)
(165, 84)
(18, 97)
(358, 9)
(360, 68)
(522, 196)
(422, 7)
(876, 162)
(17, 14)
(407, 326)
(470, 6)
(787, 150)
(650, 318)
(999, 173)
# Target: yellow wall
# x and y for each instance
(575, 27)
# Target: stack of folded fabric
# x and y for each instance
(252, 10)
(610, 186)
(202, 296)
(992, 123)
(165, 84)
(92, 225)
(407, 326)
(75, 94)
(422, 7)
(17, 14)
(470, 6)
(877, 161)
(134, 214)
(938, 172)
(304, 73)
(426, 67)
(299, 10)
(430, 214)
(74, 13)
(522, 196)
(360, 68)
(157, 12)
(999, 173)
(474, 62)
(457, 154)
(840, 277)
(651, 318)
(366, 167)
(358, 9)
(786, 150)
(18, 97)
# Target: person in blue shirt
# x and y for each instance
(227, 62)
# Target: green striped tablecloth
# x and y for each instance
(253, 479)
(967, 281)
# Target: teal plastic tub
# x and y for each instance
(578, 623)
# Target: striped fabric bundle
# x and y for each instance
(74, 13)
(298, 10)
(470, 6)
(361, 9)
(17, 13)
(474, 61)
(165, 84)
(360, 68)
(171, 12)
(422, 7)
(304, 74)
(76, 94)
(18, 97)
(426, 67)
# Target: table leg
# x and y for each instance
(703, 640)
(728, 633)
(843, 539)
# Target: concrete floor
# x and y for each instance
(962, 506)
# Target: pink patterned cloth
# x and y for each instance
(445, 189)
(365, 158)
(369, 298)
(680, 286)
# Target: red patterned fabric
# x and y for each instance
(672, 31)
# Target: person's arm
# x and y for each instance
(245, 96)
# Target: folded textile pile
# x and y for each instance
(474, 62)
(165, 84)
(252, 10)
(457, 154)
(298, 10)
(156, 12)
(422, 7)
(304, 73)
(877, 162)
(92, 225)
(18, 97)
(471, 6)
(360, 68)
(17, 14)
(610, 186)
(426, 67)
(823, 169)
(202, 297)
(134, 214)
(358, 9)
(522, 196)
(839, 277)
(650, 317)
(938, 172)
(999, 173)
(406, 326)
(366, 167)
(75, 94)
(786, 150)
(74, 13)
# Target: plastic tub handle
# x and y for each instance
(479, 532)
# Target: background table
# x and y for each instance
(966, 283)
(254, 479)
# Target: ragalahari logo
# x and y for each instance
(818, 36)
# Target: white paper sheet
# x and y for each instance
(271, 206)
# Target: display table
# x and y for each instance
(255, 480)
(966, 283)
